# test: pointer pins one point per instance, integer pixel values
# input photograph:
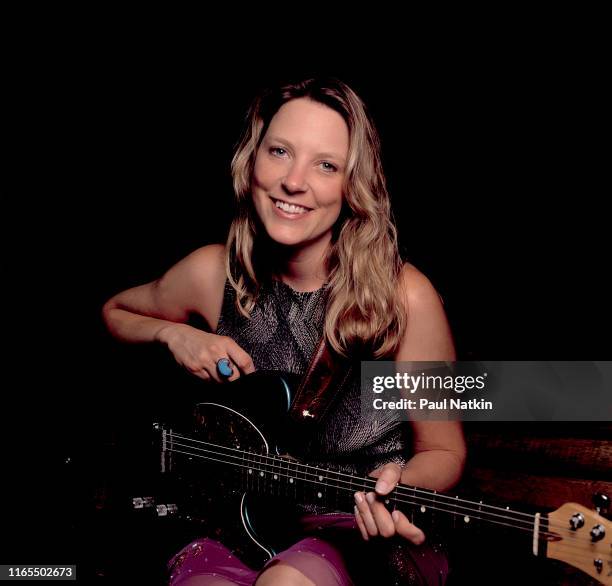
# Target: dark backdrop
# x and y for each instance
(496, 170)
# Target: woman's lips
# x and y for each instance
(288, 215)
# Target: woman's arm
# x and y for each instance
(438, 446)
(193, 285)
(158, 312)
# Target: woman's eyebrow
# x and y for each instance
(329, 155)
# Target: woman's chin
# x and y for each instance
(282, 238)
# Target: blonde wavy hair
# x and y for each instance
(364, 314)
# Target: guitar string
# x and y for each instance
(406, 492)
(255, 464)
(452, 500)
(562, 545)
(400, 489)
(343, 488)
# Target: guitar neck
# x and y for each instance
(334, 490)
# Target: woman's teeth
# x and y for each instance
(291, 209)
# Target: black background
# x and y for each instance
(496, 164)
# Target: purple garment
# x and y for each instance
(326, 559)
(316, 559)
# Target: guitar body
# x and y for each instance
(227, 501)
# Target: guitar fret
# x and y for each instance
(258, 470)
(336, 492)
(282, 481)
(351, 489)
(275, 476)
(292, 480)
(241, 476)
(268, 476)
(455, 514)
(432, 514)
(255, 474)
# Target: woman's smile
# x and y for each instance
(289, 211)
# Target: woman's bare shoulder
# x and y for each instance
(415, 287)
(427, 335)
(198, 280)
(207, 261)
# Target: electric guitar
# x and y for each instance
(244, 430)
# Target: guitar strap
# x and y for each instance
(320, 386)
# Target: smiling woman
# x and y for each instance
(311, 261)
(297, 192)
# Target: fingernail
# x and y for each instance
(395, 516)
(382, 486)
(370, 498)
(358, 497)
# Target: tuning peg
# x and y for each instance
(602, 503)
(598, 533)
(576, 521)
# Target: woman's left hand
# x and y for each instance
(372, 516)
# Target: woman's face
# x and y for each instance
(299, 172)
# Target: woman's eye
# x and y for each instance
(280, 152)
(329, 167)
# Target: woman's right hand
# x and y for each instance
(199, 351)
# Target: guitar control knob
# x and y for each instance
(598, 565)
(576, 521)
(597, 533)
(602, 503)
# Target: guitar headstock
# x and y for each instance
(582, 538)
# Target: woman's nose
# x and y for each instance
(295, 179)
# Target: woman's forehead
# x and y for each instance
(310, 125)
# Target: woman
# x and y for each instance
(311, 252)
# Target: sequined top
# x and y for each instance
(282, 333)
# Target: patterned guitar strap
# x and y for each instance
(320, 386)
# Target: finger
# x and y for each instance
(406, 529)
(231, 364)
(235, 371)
(361, 524)
(205, 369)
(382, 517)
(235, 374)
(366, 514)
(213, 374)
(388, 478)
(241, 359)
(200, 373)
(219, 365)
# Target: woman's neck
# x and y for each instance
(302, 270)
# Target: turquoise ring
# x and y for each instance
(224, 367)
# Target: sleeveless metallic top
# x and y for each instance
(283, 332)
